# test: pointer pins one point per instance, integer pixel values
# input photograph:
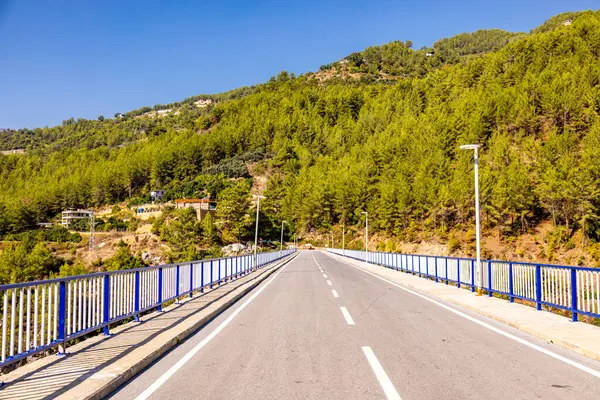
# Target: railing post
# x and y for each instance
(574, 295)
(538, 287)
(136, 297)
(177, 276)
(219, 272)
(106, 295)
(489, 278)
(191, 280)
(458, 273)
(62, 314)
(202, 277)
(473, 275)
(511, 288)
(446, 270)
(211, 275)
(160, 287)
(436, 270)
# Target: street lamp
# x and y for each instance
(476, 147)
(343, 239)
(366, 236)
(281, 243)
(256, 231)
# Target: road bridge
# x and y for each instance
(318, 325)
(321, 328)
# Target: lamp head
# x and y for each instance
(470, 146)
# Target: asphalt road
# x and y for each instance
(322, 329)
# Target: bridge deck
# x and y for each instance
(322, 329)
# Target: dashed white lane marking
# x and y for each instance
(384, 380)
(499, 331)
(325, 276)
(316, 262)
(335, 294)
(329, 282)
(347, 316)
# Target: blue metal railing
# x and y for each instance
(573, 289)
(40, 315)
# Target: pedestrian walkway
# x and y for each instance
(577, 336)
(98, 365)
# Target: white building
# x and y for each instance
(68, 216)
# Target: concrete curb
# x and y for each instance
(524, 327)
(132, 371)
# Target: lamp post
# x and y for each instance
(366, 236)
(281, 243)
(475, 148)
(256, 231)
(343, 239)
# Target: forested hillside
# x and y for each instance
(398, 59)
(333, 148)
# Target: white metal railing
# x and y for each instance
(37, 316)
(574, 289)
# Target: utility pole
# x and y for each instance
(92, 230)
(256, 230)
(281, 243)
(476, 147)
(343, 239)
(366, 236)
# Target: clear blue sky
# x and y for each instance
(83, 58)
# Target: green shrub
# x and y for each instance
(453, 244)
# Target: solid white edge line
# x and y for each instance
(164, 377)
(524, 342)
(329, 282)
(347, 316)
(384, 380)
(335, 293)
